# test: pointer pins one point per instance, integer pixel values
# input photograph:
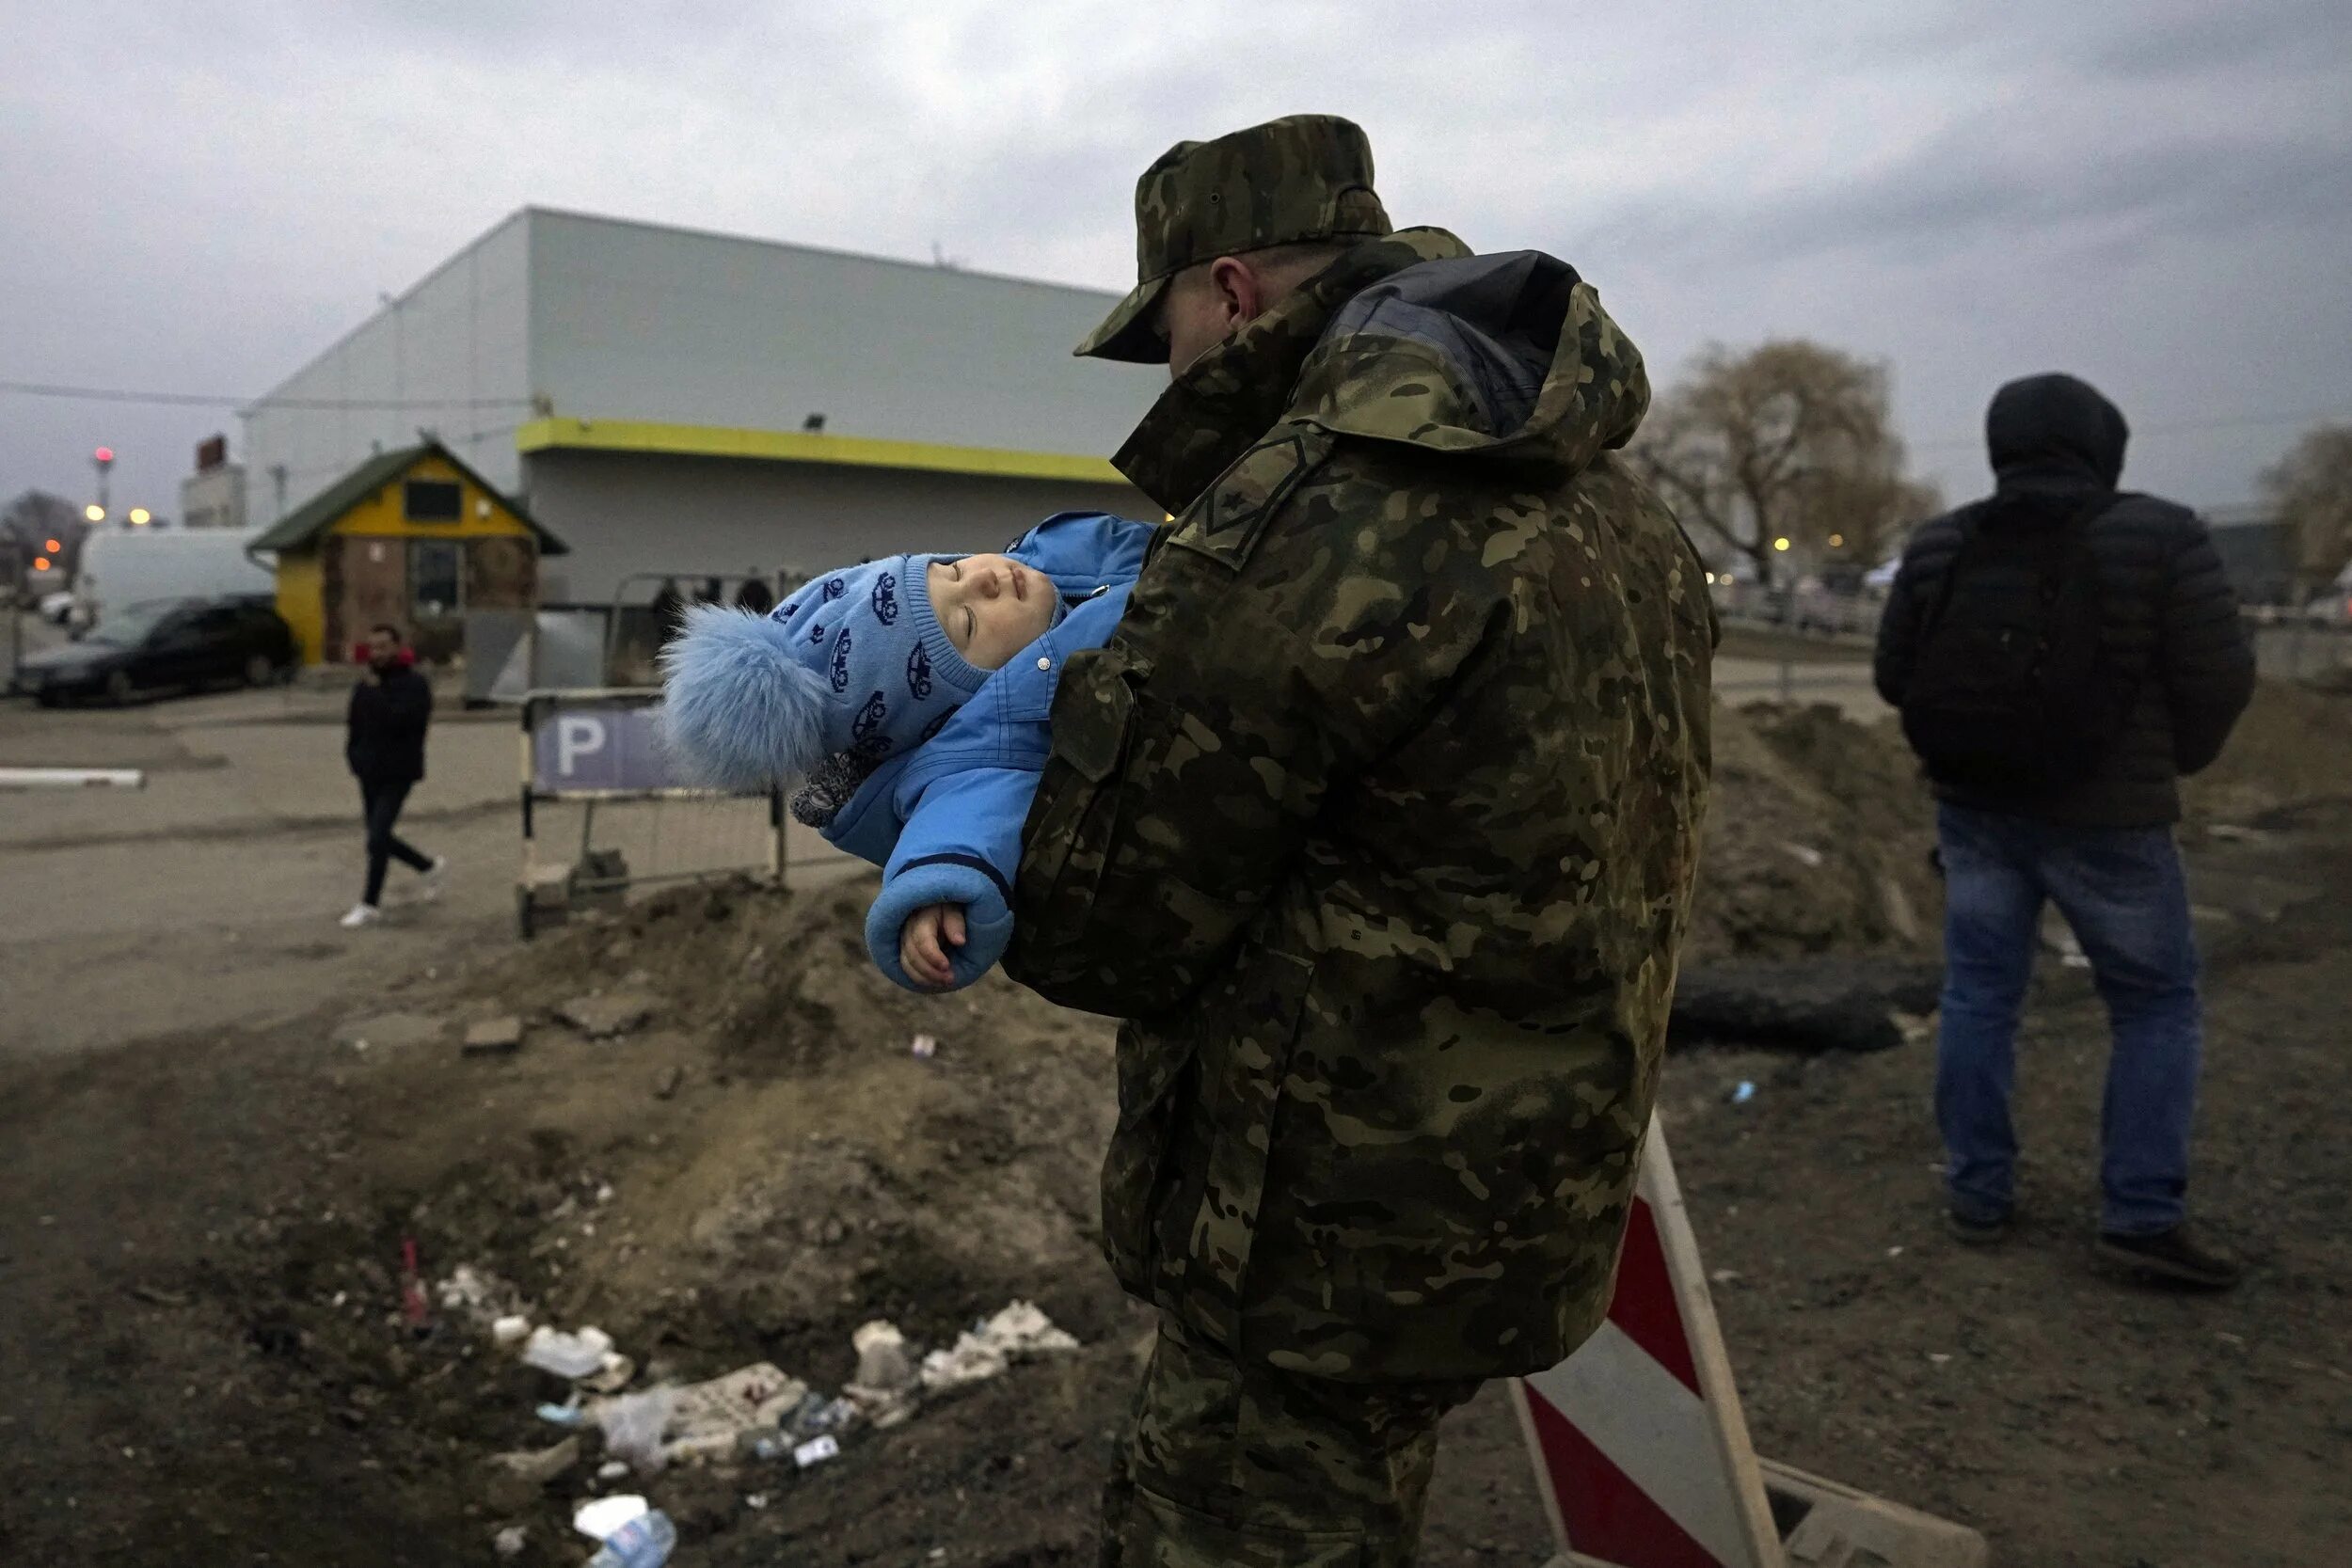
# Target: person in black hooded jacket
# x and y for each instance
(384, 747)
(2100, 847)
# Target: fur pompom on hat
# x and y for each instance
(854, 663)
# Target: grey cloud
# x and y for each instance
(1954, 194)
(2198, 39)
(256, 175)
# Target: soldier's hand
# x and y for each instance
(923, 945)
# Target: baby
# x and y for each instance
(911, 694)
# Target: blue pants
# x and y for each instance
(380, 802)
(2121, 890)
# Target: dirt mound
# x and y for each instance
(759, 1167)
(825, 1172)
(2292, 747)
(1816, 839)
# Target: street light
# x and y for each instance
(1837, 541)
(41, 563)
(138, 516)
(95, 513)
(1781, 545)
(54, 547)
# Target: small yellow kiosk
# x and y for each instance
(412, 538)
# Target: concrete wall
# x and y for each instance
(633, 322)
(705, 517)
(454, 350)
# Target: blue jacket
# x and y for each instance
(944, 820)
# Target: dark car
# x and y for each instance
(167, 645)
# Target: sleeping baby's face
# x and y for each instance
(990, 607)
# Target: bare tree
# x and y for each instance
(1864, 515)
(2311, 488)
(1790, 440)
(29, 522)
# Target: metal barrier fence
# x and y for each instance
(2299, 647)
(1811, 609)
(2288, 644)
(593, 759)
(635, 625)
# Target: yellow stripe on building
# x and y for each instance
(793, 446)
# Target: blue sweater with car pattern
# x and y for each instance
(944, 820)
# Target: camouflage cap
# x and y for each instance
(1307, 176)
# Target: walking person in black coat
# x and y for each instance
(2064, 653)
(384, 746)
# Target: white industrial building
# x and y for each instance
(672, 401)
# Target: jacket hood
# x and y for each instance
(2055, 431)
(1508, 356)
(1408, 339)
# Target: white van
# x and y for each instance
(121, 567)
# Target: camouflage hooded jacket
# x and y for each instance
(1376, 822)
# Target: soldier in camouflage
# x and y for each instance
(1376, 824)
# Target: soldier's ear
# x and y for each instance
(1240, 292)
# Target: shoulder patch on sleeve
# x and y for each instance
(1225, 522)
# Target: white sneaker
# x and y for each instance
(361, 914)
(431, 874)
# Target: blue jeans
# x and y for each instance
(2121, 890)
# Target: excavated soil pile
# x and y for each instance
(1816, 840)
(1818, 834)
(2292, 747)
(757, 1167)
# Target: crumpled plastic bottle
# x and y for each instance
(644, 1542)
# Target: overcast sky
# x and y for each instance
(2155, 193)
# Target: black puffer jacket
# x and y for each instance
(384, 734)
(2170, 616)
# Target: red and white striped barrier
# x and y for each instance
(1642, 1453)
(1641, 1450)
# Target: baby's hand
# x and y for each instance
(923, 945)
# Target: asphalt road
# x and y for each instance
(210, 898)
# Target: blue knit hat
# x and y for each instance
(855, 662)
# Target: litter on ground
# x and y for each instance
(598, 1517)
(1019, 1333)
(633, 1425)
(572, 1355)
(707, 1422)
(886, 1387)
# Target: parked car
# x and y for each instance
(182, 644)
